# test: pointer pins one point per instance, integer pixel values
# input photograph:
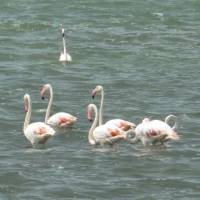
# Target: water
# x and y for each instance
(144, 53)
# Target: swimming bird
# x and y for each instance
(103, 134)
(64, 55)
(120, 123)
(153, 132)
(59, 121)
(37, 132)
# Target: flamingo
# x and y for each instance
(103, 134)
(64, 56)
(120, 123)
(59, 121)
(37, 132)
(154, 131)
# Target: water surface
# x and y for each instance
(144, 53)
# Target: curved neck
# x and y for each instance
(49, 104)
(64, 46)
(94, 125)
(171, 118)
(28, 114)
(101, 108)
(129, 138)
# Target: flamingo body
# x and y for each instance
(107, 131)
(38, 133)
(61, 120)
(65, 57)
(122, 124)
(149, 131)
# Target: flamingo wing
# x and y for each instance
(61, 120)
(122, 124)
(108, 134)
(114, 132)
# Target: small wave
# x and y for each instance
(26, 26)
(159, 15)
(57, 166)
(40, 110)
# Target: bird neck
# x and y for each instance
(101, 108)
(49, 104)
(64, 46)
(171, 118)
(94, 125)
(28, 114)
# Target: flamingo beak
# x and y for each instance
(89, 115)
(93, 93)
(42, 93)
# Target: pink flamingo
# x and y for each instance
(154, 131)
(37, 132)
(120, 123)
(103, 134)
(59, 121)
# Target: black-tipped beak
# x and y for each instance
(43, 98)
(92, 96)
(90, 120)
(63, 35)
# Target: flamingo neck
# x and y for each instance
(101, 108)
(49, 104)
(130, 139)
(64, 46)
(94, 125)
(28, 114)
(171, 118)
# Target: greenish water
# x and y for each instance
(145, 54)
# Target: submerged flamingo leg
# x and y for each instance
(112, 140)
(133, 140)
(159, 138)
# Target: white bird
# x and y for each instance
(64, 55)
(37, 132)
(59, 121)
(120, 123)
(103, 134)
(154, 131)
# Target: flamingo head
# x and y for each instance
(90, 112)
(63, 32)
(26, 101)
(96, 90)
(43, 90)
